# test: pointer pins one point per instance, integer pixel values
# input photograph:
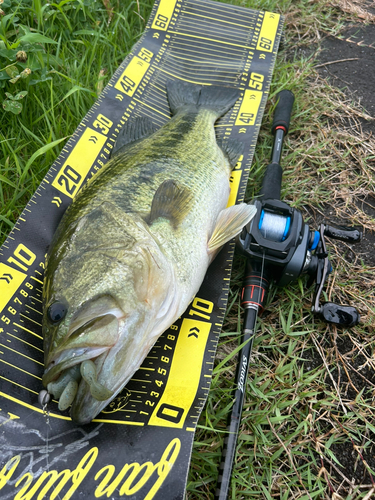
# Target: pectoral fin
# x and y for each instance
(171, 201)
(230, 222)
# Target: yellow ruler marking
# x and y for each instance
(183, 79)
(249, 107)
(19, 385)
(10, 280)
(36, 310)
(105, 421)
(20, 353)
(154, 109)
(215, 19)
(34, 298)
(184, 375)
(227, 10)
(188, 68)
(36, 279)
(29, 331)
(235, 180)
(24, 341)
(18, 368)
(211, 40)
(76, 167)
(224, 53)
(39, 410)
(205, 61)
(163, 15)
(132, 76)
(30, 319)
(268, 32)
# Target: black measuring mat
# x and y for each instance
(140, 445)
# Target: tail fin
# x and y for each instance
(219, 99)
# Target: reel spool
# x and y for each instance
(274, 227)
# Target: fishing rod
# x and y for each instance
(279, 248)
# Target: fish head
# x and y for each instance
(106, 301)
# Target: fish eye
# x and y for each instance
(56, 312)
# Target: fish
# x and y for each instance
(132, 250)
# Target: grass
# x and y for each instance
(307, 429)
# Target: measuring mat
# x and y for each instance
(139, 447)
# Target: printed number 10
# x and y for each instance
(24, 255)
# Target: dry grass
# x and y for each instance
(307, 429)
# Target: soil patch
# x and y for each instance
(348, 63)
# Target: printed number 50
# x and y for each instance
(256, 81)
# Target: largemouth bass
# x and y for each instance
(132, 250)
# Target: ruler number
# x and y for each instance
(246, 118)
(161, 21)
(103, 123)
(22, 256)
(170, 413)
(265, 43)
(145, 54)
(256, 81)
(69, 179)
(202, 305)
(127, 84)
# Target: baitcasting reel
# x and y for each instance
(279, 241)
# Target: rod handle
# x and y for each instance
(271, 185)
(283, 111)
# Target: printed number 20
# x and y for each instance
(69, 179)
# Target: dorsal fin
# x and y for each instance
(233, 149)
(133, 130)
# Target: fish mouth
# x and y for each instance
(80, 359)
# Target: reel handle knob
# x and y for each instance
(339, 315)
(348, 234)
